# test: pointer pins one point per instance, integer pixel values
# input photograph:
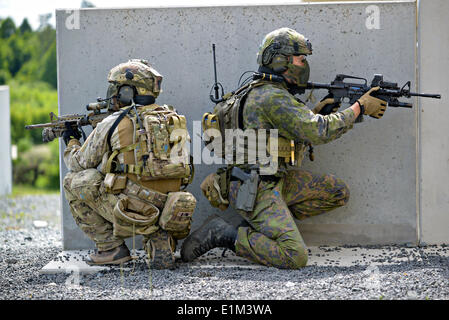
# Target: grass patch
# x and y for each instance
(24, 190)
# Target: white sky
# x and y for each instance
(19, 9)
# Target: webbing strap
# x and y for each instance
(115, 153)
(115, 124)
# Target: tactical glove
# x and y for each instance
(373, 107)
(70, 133)
(327, 105)
(48, 135)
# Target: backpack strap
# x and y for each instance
(115, 124)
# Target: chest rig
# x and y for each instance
(228, 116)
(151, 144)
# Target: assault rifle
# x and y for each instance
(57, 124)
(352, 91)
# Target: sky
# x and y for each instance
(19, 9)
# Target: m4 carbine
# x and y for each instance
(340, 89)
(352, 91)
(57, 124)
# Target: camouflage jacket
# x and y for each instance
(271, 106)
(94, 149)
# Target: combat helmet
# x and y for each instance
(276, 48)
(134, 80)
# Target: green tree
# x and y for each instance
(7, 28)
(21, 53)
(4, 76)
(49, 72)
(25, 26)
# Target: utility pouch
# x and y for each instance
(133, 216)
(246, 197)
(212, 187)
(114, 183)
(176, 217)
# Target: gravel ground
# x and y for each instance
(26, 249)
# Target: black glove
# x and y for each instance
(70, 133)
(327, 105)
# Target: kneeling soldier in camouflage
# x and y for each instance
(142, 165)
(270, 202)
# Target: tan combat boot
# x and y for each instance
(160, 248)
(117, 255)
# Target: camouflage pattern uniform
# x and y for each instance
(273, 238)
(91, 207)
(91, 204)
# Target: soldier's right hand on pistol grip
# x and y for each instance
(374, 107)
(70, 133)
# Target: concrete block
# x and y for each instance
(433, 146)
(377, 159)
(5, 149)
(325, 256)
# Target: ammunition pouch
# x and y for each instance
(114, 183)
(176, 217)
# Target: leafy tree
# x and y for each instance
(25, 26)
(7, 28)
(28, 66)
(4, 76)
(49, 73)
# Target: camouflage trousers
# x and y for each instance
(273, 238)
(92, 209)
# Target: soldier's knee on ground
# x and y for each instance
(299, 258)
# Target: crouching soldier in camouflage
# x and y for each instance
(271, 236)
(142, 165)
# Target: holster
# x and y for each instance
(246, 196)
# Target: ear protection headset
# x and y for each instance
(127, 94)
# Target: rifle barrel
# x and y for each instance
(425, 95)
(40, 125)
(316, 85)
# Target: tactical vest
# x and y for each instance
(228, 115)
(152, 148)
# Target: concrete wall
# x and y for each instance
(5, 147)
(377, 158)
(433, 120)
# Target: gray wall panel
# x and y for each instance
(434, 129)
(5, 133)
(376, 159)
